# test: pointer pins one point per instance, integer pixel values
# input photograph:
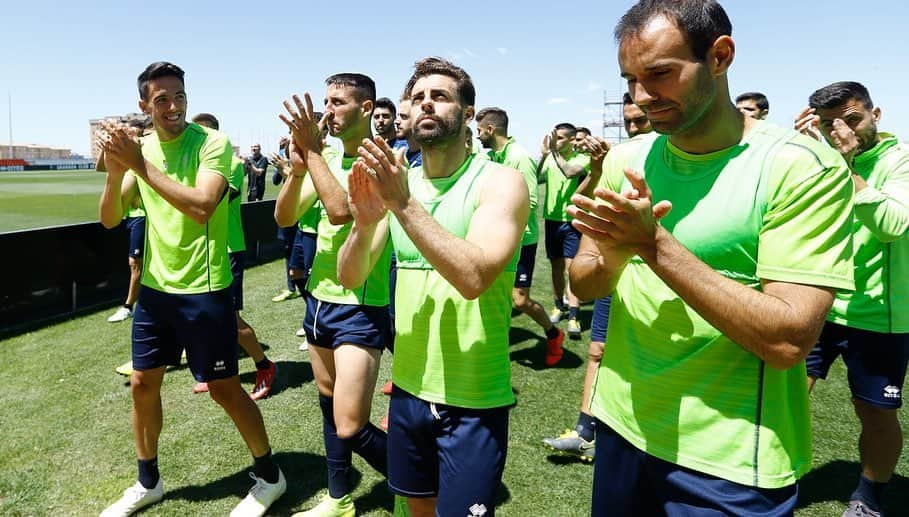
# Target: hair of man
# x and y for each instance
(364, 88)
(839, 93)
(157, 70)
(439, 66)
(494, 116)
(701, 21)
(386, 103)
(582, 129)
(760, 100)
(207, 120)
(567, 126)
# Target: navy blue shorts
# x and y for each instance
(287, 234)
(330, 325)
(628, 481)
(526, 262)
(237, 259)
(302, 253)
(455, 454)
(204, 324)
(562, 240)
(600, 319)
(136, 227)
(875, 362)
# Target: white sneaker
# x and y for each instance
(122, 313)
(260, 496)
(304, 346)
(134, 498)
(301, 332)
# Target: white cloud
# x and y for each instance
(557, 100)
(469, 53)
(592, 86)
(502, 50)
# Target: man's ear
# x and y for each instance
(876, 113)
(469, 113)
(721, 55)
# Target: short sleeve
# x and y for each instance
(216, 155)
(806, 235)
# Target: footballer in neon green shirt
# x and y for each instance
(456, 224)
(181, 171)
(346, 329)
(492, 132)
(722, 240)
(869, 327)
(562, 168)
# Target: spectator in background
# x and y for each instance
(404, 135)
(256, 165)
(753, 104)
(580, 136)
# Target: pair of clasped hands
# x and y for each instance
(119, 146)
(378, 181)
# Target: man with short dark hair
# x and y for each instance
(635, 121)
(722, 239)
(181, 171)
(404, 135)
(753, 104)
(580, 136)
(870, 326)
(581, 440)
(492, 132)
(346, 329)
(562, 168)
(256, 165)
(236, 252)
(456, 225)
(383, 119)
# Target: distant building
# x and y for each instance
(123, 119)
(32, 152)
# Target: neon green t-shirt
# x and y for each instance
(235, 239)
(135, 208)
(450, 350)
(559, 189)
(777, 206)
(323, 280)
(880, 302)
(182, 256)
(515, 156)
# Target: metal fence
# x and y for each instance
(54, 273)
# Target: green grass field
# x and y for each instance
(36, 199)
(66, 446)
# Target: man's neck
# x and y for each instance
(499, 142)
(352, 143)
(166, 136)
(443, 159)
(412, 144)
(720, 128)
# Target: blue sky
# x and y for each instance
(64, 63)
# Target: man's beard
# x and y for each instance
(443, 131)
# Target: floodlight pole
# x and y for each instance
(9, 103)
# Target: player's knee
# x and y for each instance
(595, 351)
(420, 507)
(295, 274)
(348, 425)
(225, 391)
(142, 385)
(520, 300)
(874, 417)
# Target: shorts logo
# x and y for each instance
(137, 251)
(522, 277)
(219, 366)
(477, 510)
(891, 392)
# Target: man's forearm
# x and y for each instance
(331, 193)
(191, 201)
(287, 205)
(594, 273)
(355, 256)
(569, 170)
(462, 263)
(110, 207)
(778, 331)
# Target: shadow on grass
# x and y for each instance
(564, 459)
(836, 480)
(534, 356)
(291, 374)
(306, 477)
